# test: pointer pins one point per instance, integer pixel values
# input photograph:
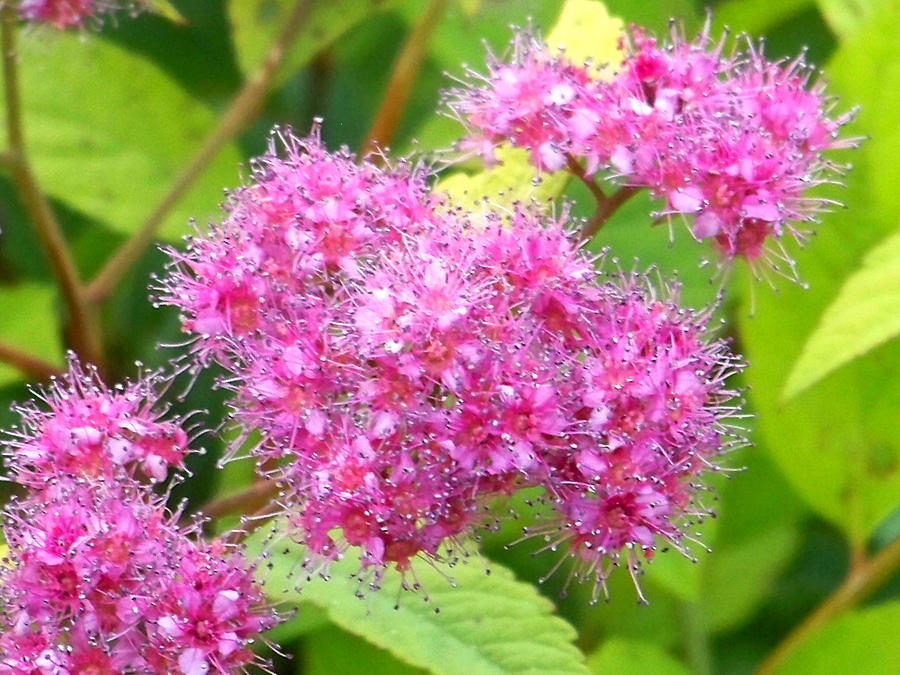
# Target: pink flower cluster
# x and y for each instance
(100, 576)
(82, 428)
(406, 362)
(733, 141)
(64, 14)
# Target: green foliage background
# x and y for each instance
(112, 116)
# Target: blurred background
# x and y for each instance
(112, 115)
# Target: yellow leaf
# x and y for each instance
(512, 179)
(588, 33)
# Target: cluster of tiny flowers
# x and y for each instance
(64, 14)
(732, 141)
(100, 576)
(406, 362)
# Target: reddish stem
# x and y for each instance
(403, 75)
(863, 579)
(606, 208)
(251, 499)
(83, 330)
(32, 366)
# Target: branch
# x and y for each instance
(578, 171)
(403, 76)
(606, 204)
(83, 333)
(242, 110)
(605, 209)
(255, 497)
(862, 580)
(32, 366)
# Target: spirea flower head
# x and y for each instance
(730, 140)
(100, 575)
(64, 14)
(81, 427)
(446, 358)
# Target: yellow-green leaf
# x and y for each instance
(512, 179)
(837, 442)
(482, 623)
(618, 655)
(865, 314)
(845, 17)
(169, 11)
(29, 320)
(587, 32)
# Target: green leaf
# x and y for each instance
(618, 655)
(108, 133)
(865, 314)
(256, 24)
(860, 641)
(756, 16)
(845, 17)
(168, 11)
(307, 618)
(758, 534)
(29, 320)
(486, 623)
(837, 443)
(331, 650)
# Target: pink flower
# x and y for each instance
(206, 617)
(96, 561)
(93, 431)
(456, 361)
(64, 14)
(730, 142)
(538, 101)
(101, 576)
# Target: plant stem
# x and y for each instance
(249, 500)
(862, 580)
(30, 365)
(403, 75)
(578, 171)
(606, 204)
(605, 209)
(242, 110)
(696, 639)
(82, 326)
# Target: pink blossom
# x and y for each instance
(96, 560)
(101, 576)
(94, 431)
(731, 142)
(464, 357)
(64, 14)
